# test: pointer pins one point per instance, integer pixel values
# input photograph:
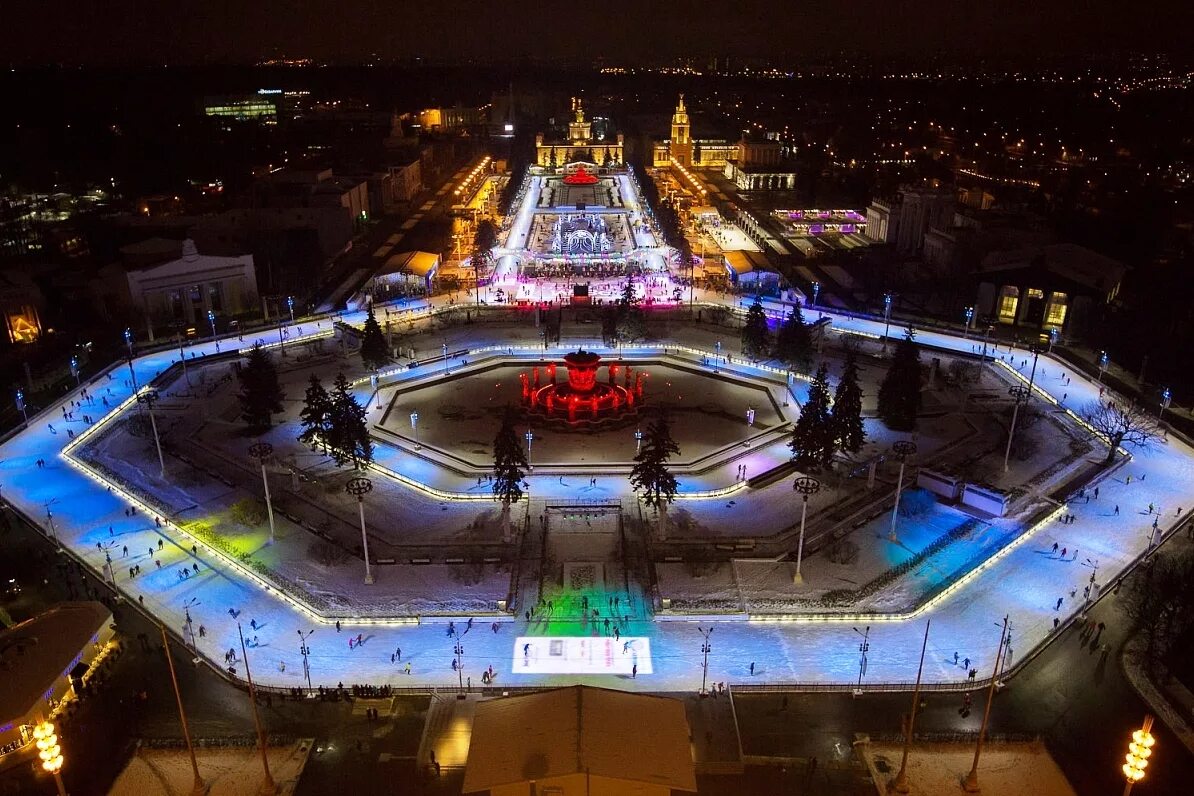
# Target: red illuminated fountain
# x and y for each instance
(582, 401)
(580, 177)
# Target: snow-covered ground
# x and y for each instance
(1025, 581)
(230, 771)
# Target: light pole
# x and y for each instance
(290, 305)
(750, 423)
(74, 370)
(706, 648)
(445, 350)
(1020, 395)
(1102, 365)
(305, 650)
(638, 442)
(970, 783)
(886, 317)
(198, 787)
(282, 332)
(805, 486)
(182, 355)
(262, 451)
(864, 647)
(149, 397)
(902, 448)
(900, 783)
(128, 341)
(458, 651)
(414, 427)
(359, 487)
(1052, 338)
(529, 437)
(268, 785)
(1140, 749)
(21, 404)
(50, 753)
(816, 293)
(186, 612)
(211, 320)
(969, 315)
(1036, 354)
(1166, 397)
(50, 519)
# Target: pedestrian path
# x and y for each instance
(1024, 582)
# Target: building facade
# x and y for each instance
(580, 146)
(903, 221)
(685, 150)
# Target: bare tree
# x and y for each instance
(1121, 425)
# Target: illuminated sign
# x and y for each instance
(628, 655)
(269, 91)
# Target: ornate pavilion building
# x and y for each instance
(580, 145)
(684, 150)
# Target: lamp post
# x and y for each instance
(445, 350)
(50, 753)
(816, 293)
(50, 519)
(638, 442)
(128, 341)
(529, 437)
(900, 783)
(706, 648)
(262, 451)
(290, 305)
(149, 397)
(1140, 749)
(190, 625)
(886, 317)
(1166, 397)
(970, 783)
(902, 448)
(268, 785)
(305, 650)
(182, 355)
(1053, 332)
(750, 423)
(282, 334)
(458, 651)
(74, 370)
(211, 320)
(805, 486)
(21, 404)
(359, 487)
(863, 648)
(969, 315)
(1036, 350)
(1102, 365)
(414, 427)
(198, 787)
(1020, 395)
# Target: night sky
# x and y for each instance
(218, 31)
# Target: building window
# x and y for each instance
(1055, 312)
(1009, 301)
(215, 297)
(1033, 293)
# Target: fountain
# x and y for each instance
(582, 401)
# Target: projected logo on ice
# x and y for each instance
(627, 655)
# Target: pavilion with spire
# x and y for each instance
(579, 146)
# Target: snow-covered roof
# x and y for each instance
(580, 730)
(414, 263)
(35, 653)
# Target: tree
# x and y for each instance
(316, 414)
(630, 325)
(484, 239)
(793, 345)
(1160, 603)
(813, 436)
(1122, 425)
(899, 394)
(509, 468)
(650, 476)
(756, 339)
(374, 351)
(260, 393)
(348, 433)
(846, 416)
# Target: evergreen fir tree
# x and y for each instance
(812, 440)
(260, 393)
(650, 476)
(793, 345)
(631, 325)
(846, 415)
(373, 343)
(509, 468)
(899, 394)
(316, 414)
(348, 433)
(756, 339)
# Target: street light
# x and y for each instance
(458, 650)
(50, 753)
(148, 398)
(128, 341)
(211, 319)
(1020, 395)
(1053, 332)
(198, 787)
(74, 370)
(863, 648)
(50, 519)
(638, 442)
(805, 486)
(186, 612)
(886, 317)
(1140, 749)
(290, 304)
(970, 783)
(706, 648)
(900, 783)
(305, 650)
(268, 785)
(969, 314)
(902, 448)
(1102, 365)
(21, 404)
(414, 427)
(529, 437)
(750, 423)
(261, 451)
(816, 293)
(445, 350)
(1166, 397)
(359, 487)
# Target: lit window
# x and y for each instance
(1055, 312)
(1033, 293)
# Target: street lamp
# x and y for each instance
(268, 785)
(1020, 395)
(969, 314)
(900, 783)
(198, 786)
(805, 486)
(1102, 365)
(902, 448)
(458, 650)
(21, 404)
(128, 341)
(638, 442)
(186, 612)
(290, 304)
(1140, 749)
(863, 648)
(414, 427)
(706, 648)
(148, 398)
(211, 320)
(50, 753)
(50, 520)
(816, 293)
(74, 370)
(305, 650)
(970, 783)
(359, 487)
(529, 437)
(1053, 332)
(750, 423)
(886, 317)
(1166, 397)
(261, 451)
